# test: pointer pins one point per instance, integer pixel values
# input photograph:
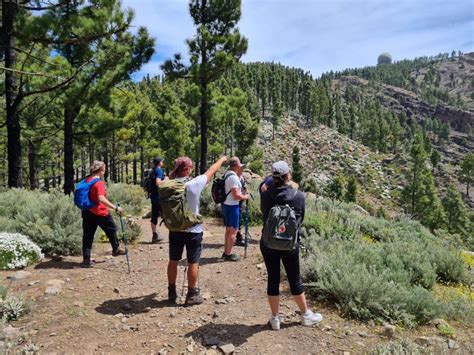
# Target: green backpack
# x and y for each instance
(175, 210)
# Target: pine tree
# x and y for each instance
(420, 196)
(352, 190)
(216, 47)
(467, 170)
(297, 173)
(456, 212)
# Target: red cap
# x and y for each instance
(180, 164)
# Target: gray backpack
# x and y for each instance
(281, 229)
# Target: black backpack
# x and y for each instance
(149, 181)
(281, 229)
(218, 189)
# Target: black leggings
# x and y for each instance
(291, 262)
(90, 222)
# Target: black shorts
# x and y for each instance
(193, 243)
(155, 211)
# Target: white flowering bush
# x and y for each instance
(17, 251)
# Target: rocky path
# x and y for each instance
(107, 310)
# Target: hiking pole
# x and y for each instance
(246, 227)
(184, 280)
(124, 238)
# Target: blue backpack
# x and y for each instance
(81, 194)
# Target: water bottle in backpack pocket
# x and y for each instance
(280, 231)
(81, 194)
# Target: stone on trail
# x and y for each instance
(52, 291)
(55, 283)
(389, 331)
(19, 275)
(32, 283)
(210, 340)
(11, 332)
(116, 290)
(227, 348)
(452, 344)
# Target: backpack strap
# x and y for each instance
(226, 175)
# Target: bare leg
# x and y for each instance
(193, 272)
(230, 236)
(301, 302)
(274, 302)
(172, 272)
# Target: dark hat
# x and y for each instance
(157, 160)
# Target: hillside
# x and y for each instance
(328, 152)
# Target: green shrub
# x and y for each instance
(398, 347)
(132, 198)
(374, 268)
(133, 230)
(17, 251)
(12, 307)
(49, 219)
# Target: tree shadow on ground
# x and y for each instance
(132, 305)
(213, 245)
(63, 264)
(207, 261)
(237, 334)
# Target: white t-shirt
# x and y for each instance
(231, 182)
(194, 188)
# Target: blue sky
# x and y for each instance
(320, 35)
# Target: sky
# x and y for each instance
(320, 35)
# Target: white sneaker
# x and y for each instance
(310, 318)
(275, 322)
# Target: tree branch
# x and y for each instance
(41, 8)
(64, 83)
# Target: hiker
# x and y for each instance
(155, 198)
(99, 215)
(281, 193)
(191, 238)
(231, 207)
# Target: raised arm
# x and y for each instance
(215, 168)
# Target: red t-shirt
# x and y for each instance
(98, 189)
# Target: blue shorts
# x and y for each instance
(192, 242)
(231, 215)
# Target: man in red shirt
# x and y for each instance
(98, 216)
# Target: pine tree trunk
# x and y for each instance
(135, 164)
(32, 166)
(9, 11)
(70, 114)
(46, 183)
(106, 161)
(203, 114)
(142, 165)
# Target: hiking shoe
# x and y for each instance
(231, 257)
(240, 243)
(172, 295)
(156, 238)
(310, 318)
(118, 252)
(275, 322)
(193, 297)
(87, 263)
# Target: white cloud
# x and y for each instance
(322, 35)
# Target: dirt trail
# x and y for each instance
(107, 310)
